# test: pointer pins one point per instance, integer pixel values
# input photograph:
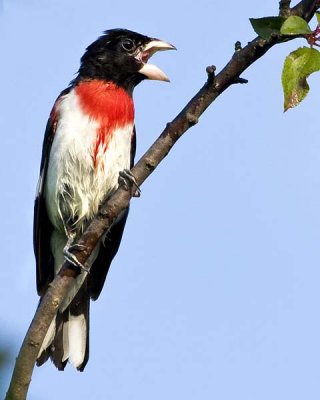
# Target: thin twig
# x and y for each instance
(284, 8)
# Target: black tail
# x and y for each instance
(71, 335)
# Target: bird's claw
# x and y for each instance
(76, 246)
(72, 259)
(127, 179)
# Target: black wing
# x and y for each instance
(42, 227)
(109, 248)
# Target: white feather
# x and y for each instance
(74, 339)
(49, 337)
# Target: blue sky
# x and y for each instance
(215, 290)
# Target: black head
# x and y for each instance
(121, 56)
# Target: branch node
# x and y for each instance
(274, 35)
(284, 8)
(192, 118)
(237, 46)
(240, 80)
(55, 303)
(104, 212)
(150, 164)
(33, 343)
(211, 69)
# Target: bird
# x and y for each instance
(89, 141)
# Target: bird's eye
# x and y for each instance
(128, 44)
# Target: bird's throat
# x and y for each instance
(108, 105)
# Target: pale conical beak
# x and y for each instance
(151, 71)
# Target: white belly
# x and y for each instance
(75, 185)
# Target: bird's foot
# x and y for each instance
(126, 179)
(71, 258)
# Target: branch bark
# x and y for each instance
(189, 116)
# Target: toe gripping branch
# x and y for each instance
(128, 181)
(71, 258)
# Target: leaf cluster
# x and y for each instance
(300, 63)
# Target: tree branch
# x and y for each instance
(306, 9)
(214, 87)
(284, 8)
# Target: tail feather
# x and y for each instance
(44, 353)
(75, 340)
(57, 347)
(43, 357)
(69, 339)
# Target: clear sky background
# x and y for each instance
(215, 291)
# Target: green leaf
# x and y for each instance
(295, 26)
(318, 17)
(297, 67)
(264, 27)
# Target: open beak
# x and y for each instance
(151, 71)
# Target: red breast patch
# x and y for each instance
(108, 104)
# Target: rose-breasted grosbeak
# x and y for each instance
(89, 140)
